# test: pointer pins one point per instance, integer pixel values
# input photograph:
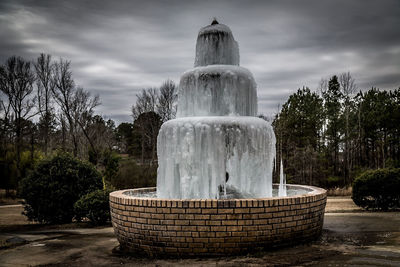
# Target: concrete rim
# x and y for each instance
(120, 194)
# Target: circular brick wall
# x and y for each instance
(194, 227)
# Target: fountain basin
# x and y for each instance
(212, 227)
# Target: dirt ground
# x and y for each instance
(11, 215)
(351, 237)
(341, 204)
(6, 200)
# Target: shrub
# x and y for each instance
(94, 206)
(111, 165)
(133, 175)
(333, 181)
(51, 190)
(378, 189)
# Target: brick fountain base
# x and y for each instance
(212, 227)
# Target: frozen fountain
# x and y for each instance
(216, 143)
(214, 185)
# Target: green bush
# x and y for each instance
(132, 175)
(94, 206)
(54, 186)
(377, 189)
(111, 165)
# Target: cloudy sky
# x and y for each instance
(119, 47)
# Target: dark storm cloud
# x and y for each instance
(119, 47)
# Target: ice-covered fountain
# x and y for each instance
(214, 185)
(217, 142)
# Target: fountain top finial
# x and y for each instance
(215, 21)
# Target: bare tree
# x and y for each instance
(63, 93)
(145, 102)
(77, 105)
(63, 123)
(166, 106)
(16, 82)
(102, 136)
(5, 121)
(348, 88)
(101, 132)
(322, 86)
(83, 106)
(45, 86)
(147, 126)
(347, 84)
(145, 119)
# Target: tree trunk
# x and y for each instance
(32, 146)
(18, 146)
(74, 141)
(142, 144)
(64, 134)
(46, 140)
(346, 153)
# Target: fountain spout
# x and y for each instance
(282, 183)
(214, 21)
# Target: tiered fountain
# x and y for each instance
(214, 186)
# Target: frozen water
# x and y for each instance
(201, 156)
(216, 45)
(282, 183)
(217, 90)
(216, 145)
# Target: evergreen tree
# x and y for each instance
(298, 131)
(333, 103)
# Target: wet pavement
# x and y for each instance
(350, 238)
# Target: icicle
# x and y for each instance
(282, 183)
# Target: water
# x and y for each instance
(282, 191)
(230, 194)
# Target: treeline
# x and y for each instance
(324, 138)
(43, 111)
(328, 138)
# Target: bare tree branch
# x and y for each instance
(166, 106)
(16, 82)
(347, 84)
(145, 102)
